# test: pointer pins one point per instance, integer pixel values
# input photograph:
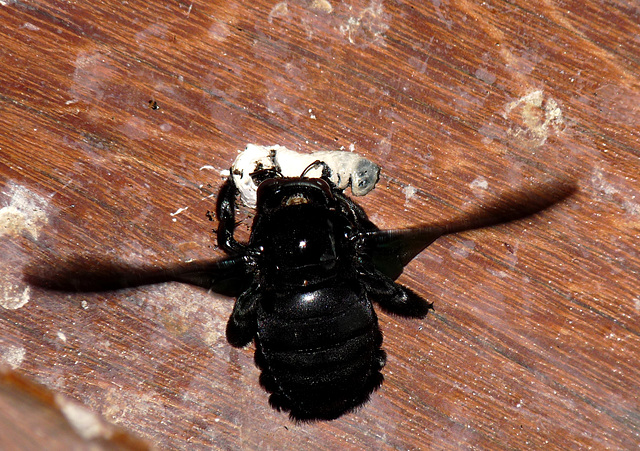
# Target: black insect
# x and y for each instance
(305, 285)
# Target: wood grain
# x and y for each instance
(534, 341)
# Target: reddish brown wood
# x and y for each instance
(534, 341)
(35, 418)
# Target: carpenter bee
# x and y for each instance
(305, 284)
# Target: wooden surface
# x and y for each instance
(534, 342)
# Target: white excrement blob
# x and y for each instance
(341, 168)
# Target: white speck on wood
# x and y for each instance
(479, 183)
(409, 191)
(13, 297)
(178, 211)
(25, 213)
(13, 356)
(539, 114)
(279, 10)
(321, 5)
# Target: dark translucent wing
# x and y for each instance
(391, 250)
(228, 276)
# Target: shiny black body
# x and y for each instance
(309, 305)
(305, 285)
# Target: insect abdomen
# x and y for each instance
(319, 351)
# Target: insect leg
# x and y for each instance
(261, 175)
(226, 212)
(393, 297)
(326, 170)
(242, 324)
(355, 213)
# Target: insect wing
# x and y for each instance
(392, 250)
(228, 276)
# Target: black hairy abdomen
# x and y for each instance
(319, 351)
